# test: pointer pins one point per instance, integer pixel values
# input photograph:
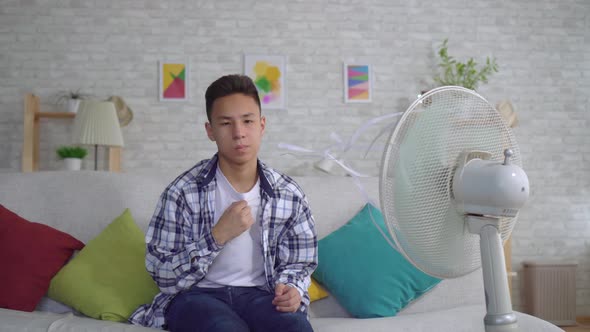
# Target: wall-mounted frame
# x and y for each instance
(174, 79)
(358, 83)
(269, 74)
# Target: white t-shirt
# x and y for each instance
(240, 262)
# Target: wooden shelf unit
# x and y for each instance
(33, 115)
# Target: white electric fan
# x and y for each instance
(451, 187)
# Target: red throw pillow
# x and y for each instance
(30, 255)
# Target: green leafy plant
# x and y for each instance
(64, 96)
(71, 152)
(465, 74)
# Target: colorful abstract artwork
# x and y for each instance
(174, 81)
(357, 83)
(268, 73)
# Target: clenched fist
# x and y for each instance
(236, 219)
(287, 298)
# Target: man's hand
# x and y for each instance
(236, 219)
(287, 298)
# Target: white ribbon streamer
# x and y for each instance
(366, 126)
(344, 148)
(296, 148)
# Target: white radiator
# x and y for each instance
(550, 291)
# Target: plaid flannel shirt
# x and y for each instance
(180, 247)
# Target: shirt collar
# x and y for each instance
(207, 174)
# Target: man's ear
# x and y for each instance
(262, 125)
(209, 131)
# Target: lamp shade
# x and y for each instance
(96, 123)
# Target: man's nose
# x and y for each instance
(238, 130)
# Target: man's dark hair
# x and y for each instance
(228, 85)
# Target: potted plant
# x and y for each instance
(72, 156)
(465, 74)
(71, 99)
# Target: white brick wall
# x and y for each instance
(112, 47)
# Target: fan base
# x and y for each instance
(502, 328)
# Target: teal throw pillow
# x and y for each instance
(368, 277)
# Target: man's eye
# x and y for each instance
(225, 123)
(249, 121)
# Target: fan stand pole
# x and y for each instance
(95, 157)
(499, 317)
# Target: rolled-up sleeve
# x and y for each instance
(175, 259)
(298, 256)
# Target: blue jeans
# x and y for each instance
(231, 309)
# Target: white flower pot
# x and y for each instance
(73, 164)
(73, 105)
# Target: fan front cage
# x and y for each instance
(418, 165)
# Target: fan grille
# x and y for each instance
(416, 178)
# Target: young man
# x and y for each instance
(232, 243)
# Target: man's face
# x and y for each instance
(237, 128)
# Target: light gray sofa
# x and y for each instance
(82, 203)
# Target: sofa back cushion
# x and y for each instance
(336, 199)
(82, 203)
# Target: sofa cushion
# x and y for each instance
(316, 292)
(107, 279)
(49, 305)
(365, 275)
(30, 255)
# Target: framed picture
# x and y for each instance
(268, 73)
(357, 83)
(174, 78)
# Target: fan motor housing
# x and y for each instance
(485, 187)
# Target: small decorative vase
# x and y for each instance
(73, 105)
(73, 164)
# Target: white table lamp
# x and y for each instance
(96, 123)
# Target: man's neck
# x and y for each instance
(241, 177)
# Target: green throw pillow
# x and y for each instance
(107, 279)
(368, 277)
